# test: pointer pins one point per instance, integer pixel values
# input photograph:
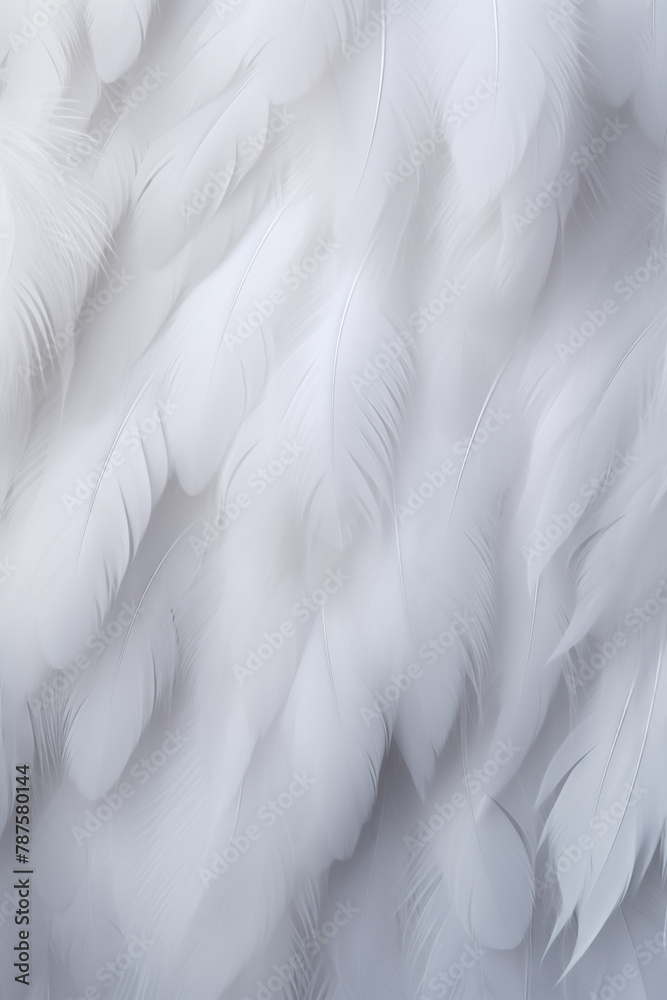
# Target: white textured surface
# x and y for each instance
(333, 534)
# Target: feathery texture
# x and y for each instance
(333, 559)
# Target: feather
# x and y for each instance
(117, 34)
(332, 571)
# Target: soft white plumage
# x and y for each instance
(332, 538)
